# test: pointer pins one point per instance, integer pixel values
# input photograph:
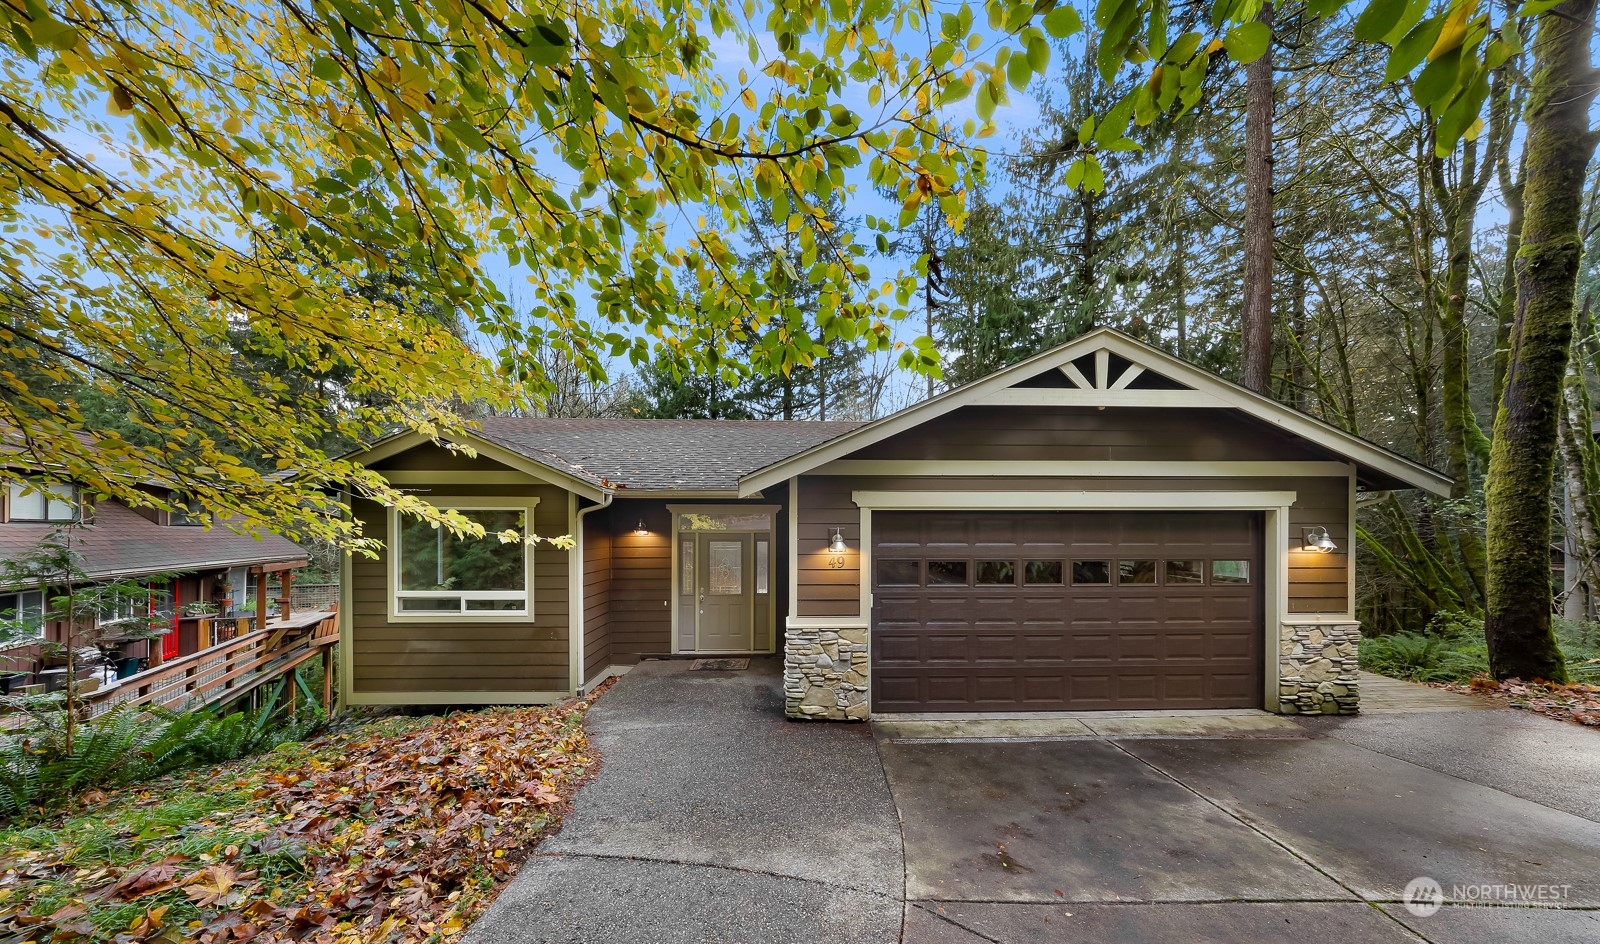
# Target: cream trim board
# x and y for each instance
(1085, 468)
(450, 478)
(864, 575)
(526, 504)
(794, 553)
(458, 698)
(1204, 384)
(347, 620)
(610, 671)
(1275, 599)
(574, 594)
(829, 622)
(1074, 500)
(1076, 376)
(1350, 552)
(483, 447)
(1100, 396)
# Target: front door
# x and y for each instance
(724, 595)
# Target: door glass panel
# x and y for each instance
(726, 574)
(1091, 572)
(997, 572)
(1042, 572)
(761, 566)
(947, 573)
(1230, 571)
(1186, 572)
(899, 573)
(686, 566)
(1136, 571)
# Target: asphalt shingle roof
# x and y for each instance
(123, 542)
(658, 454)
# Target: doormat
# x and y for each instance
(719, 665)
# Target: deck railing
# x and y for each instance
(226, 671)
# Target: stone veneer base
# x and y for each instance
(1317, 668)
(825, 674)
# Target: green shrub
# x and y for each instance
(126, 746)
(1422, 658)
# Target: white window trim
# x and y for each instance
(461, 503)
(19, 594)
(49, 495)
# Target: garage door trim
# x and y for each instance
(1274, 506)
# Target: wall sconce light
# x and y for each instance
(836, 544)
(640, 529)
(1317, 539)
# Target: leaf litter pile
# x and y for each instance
(401, 831)
(1577, 702)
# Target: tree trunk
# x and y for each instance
(1581, 464)
(1256, 324)
(1559, 144)
(1460, 211)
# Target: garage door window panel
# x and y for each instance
(1042, 573)
(1136, 572)
(1087, 573)
(947, 573)
(997, 573)
(1230, 572)
(899, 573)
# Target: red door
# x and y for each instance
(169, 642)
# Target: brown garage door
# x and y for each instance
(1075, 611)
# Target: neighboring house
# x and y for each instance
(1101, 527)
(118, 543)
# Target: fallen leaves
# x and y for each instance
(1578, 702)
(375, 837)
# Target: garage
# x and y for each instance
(1066, 610)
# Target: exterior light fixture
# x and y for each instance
(836, 544)
(1317, 539)
(640, 529)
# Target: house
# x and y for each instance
(1101, 527)
(182, 560)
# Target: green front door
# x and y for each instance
(725, 593)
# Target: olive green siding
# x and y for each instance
(462, 654)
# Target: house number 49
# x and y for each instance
(836, 562)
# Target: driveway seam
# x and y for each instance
(900, 829)
(951, 921)
(1268, 837)
(609, 857)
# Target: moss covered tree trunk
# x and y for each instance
(1558, 147)
(1256, 328)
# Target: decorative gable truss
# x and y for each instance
(1103, 377)
(1106, 368)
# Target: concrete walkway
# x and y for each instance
(716, 821)
(1380, 694)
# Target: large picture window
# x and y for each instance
(443, 574)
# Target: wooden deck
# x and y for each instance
(1380, 693)
(230, 670)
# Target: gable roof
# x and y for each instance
(1186, 385)
(123, 543)
(595, 456)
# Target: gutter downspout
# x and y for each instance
(577, 605)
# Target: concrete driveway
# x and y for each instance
(1260, 838)
(715, 820)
